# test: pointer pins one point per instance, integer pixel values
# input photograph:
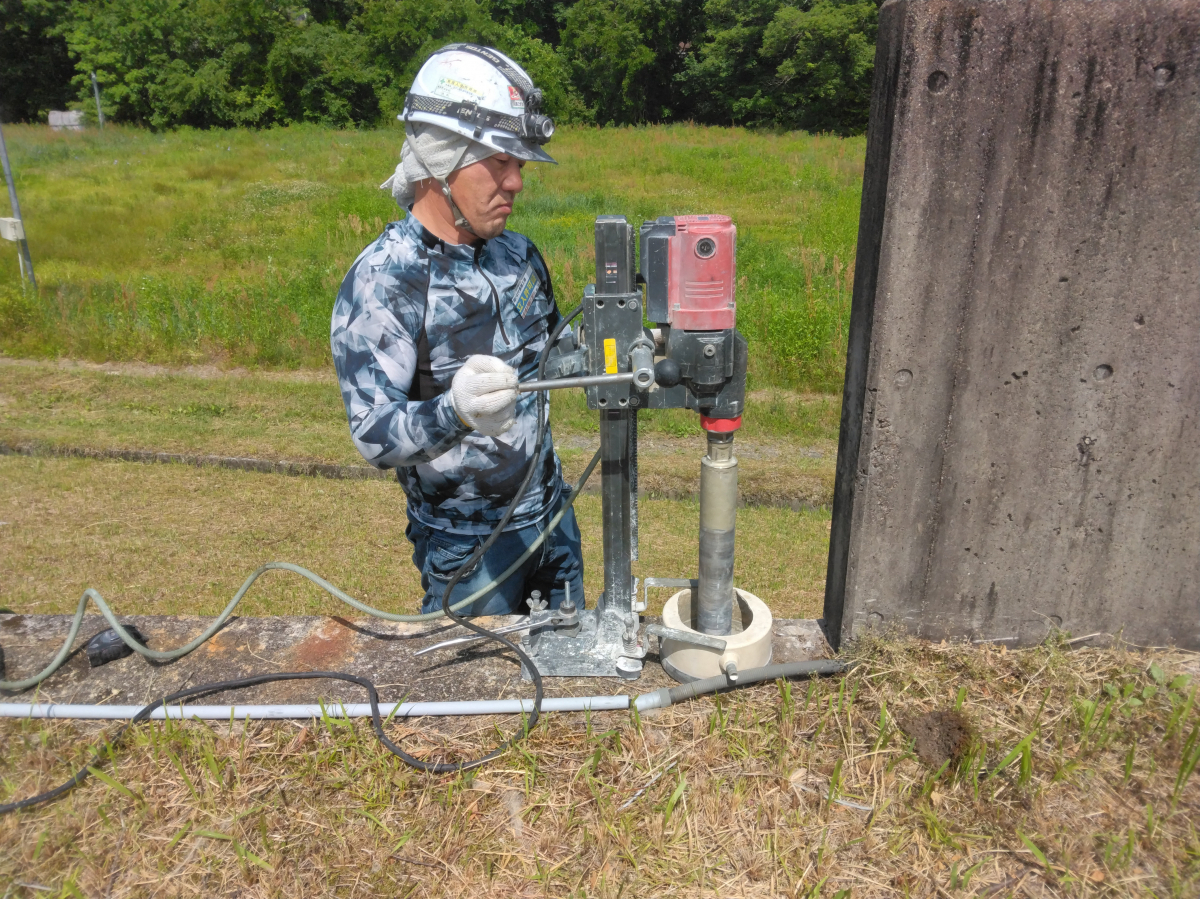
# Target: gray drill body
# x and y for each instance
(713, 611)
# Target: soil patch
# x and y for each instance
(941, 736)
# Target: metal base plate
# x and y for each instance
(593, 652)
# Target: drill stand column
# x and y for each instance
(608, 642)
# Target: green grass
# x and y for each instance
(228, 246)
(286, 416)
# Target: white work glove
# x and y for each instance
(484, 395)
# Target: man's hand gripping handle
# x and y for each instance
(484, 395)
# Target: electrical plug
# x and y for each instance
(107, 646)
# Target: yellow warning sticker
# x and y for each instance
(610, 355)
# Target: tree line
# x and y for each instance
(786, 64)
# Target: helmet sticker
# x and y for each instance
(452, 88)
(514, 95)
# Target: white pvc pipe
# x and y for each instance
(333, 710)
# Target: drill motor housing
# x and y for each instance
(688, 264)
(689, 268)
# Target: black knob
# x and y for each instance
(666, 372)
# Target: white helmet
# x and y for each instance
(483, 95)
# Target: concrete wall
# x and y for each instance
(1020, 441)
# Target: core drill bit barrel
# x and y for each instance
(713, 610)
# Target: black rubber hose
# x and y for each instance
(757, 676)
(98, 752)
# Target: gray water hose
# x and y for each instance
(668, 696)
(170, 655)
(657, 700)
(453, 708)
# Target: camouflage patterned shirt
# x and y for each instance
(410, 311)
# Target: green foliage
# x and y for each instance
(726, 67)
(778, 64)
(177, 62)
(823, 58)
(319, 73)
(227, 63)
(537, 18)
(623, 56)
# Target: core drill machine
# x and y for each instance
(690, 357)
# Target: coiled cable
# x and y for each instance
(448, 609)
(527, 663)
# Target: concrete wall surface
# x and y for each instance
(1020, 444)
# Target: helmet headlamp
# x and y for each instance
(537, 128)
(531, 126)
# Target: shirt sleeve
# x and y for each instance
(376, 323)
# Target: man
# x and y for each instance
(438, 319)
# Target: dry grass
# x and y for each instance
(1070, 785)
(170, 539)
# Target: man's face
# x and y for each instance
(484, 191)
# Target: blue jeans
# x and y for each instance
(553, 565)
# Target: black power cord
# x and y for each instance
(540, 442)
(207, 689)
(377, 725)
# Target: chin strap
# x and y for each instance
(460, 220)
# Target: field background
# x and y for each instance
(227, 247)
(186, 285)
(186, 281)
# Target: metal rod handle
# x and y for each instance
(680, 636)
(585, 381)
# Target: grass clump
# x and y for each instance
(797, 789)
(228, 247)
